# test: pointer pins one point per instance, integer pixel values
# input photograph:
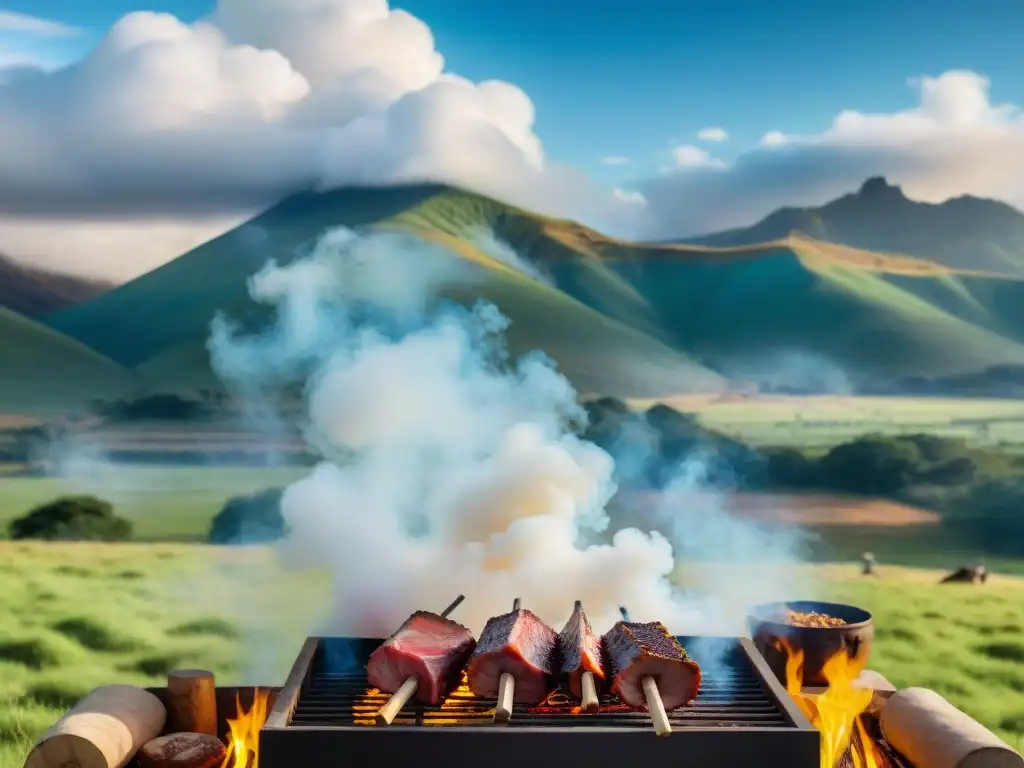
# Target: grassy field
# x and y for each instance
(165, 503)
(77, 616)
(824, 420)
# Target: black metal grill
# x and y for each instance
(742, 717)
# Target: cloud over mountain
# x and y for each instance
(954, 141)
(264, 97)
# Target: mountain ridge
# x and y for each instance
(963, 232)
(35, 292)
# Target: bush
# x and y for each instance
(249, 519)
(72, 518)
(995, 510)
(872, 465)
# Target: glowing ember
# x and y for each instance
(244, 736)
(836, 713)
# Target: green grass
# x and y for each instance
(77, 616)
(164, 503)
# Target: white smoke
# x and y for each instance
(448, 467)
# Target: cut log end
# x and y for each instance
(192, 701)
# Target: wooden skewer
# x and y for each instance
(386, 714)
(506, 688)
(655, 706)
(589, 699)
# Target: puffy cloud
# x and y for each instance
(713, 134)
(954, 141)
(178, 121)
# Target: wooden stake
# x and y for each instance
(506, 688)
(656, 707)
(387, 714)
(191, 702)
(589, 688)
(590, 701)
(103, 730)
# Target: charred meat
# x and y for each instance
(636, 650)
(579, 651)
(522, 645)
(427, 646)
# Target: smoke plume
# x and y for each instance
(449, 467)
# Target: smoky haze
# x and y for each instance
(450, 467)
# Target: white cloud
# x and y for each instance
(712, 134)
(10, 21)
(183, 122)
(689, 156)
(629, 196)
(615, 160)
(954, 141)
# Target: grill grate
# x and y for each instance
(742, 717)
(734, 697)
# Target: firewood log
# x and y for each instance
(103, 730)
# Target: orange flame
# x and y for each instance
(836, 713)
(244, 736)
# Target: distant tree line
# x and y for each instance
(976, 491)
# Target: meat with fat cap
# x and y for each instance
(579, 651)
(520, 644)
(635, 650)
(428, 647)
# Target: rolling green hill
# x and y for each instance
(634, 320)
(964, 233)
(43, 371)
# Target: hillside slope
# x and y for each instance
(159, 323)
(35, 292)
(965, 232)
(620, 318)
(44, 371)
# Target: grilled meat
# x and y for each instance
(430, 648)
(636, 650)
(518, 643)
(579, 651)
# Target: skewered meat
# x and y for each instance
(637, 650)
(430, 648)
(579, 651)
(522, 645)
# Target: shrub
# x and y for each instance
(872, 465)
(994, 509)
(249, 519)
(72, 518)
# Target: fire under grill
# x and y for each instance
(741, 718)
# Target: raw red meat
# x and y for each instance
(518, 643)
(636, 650)
(579, 651)
(430, 648)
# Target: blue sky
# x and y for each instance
(634, 79)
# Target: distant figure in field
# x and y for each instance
(867, 561)
(975, 574)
